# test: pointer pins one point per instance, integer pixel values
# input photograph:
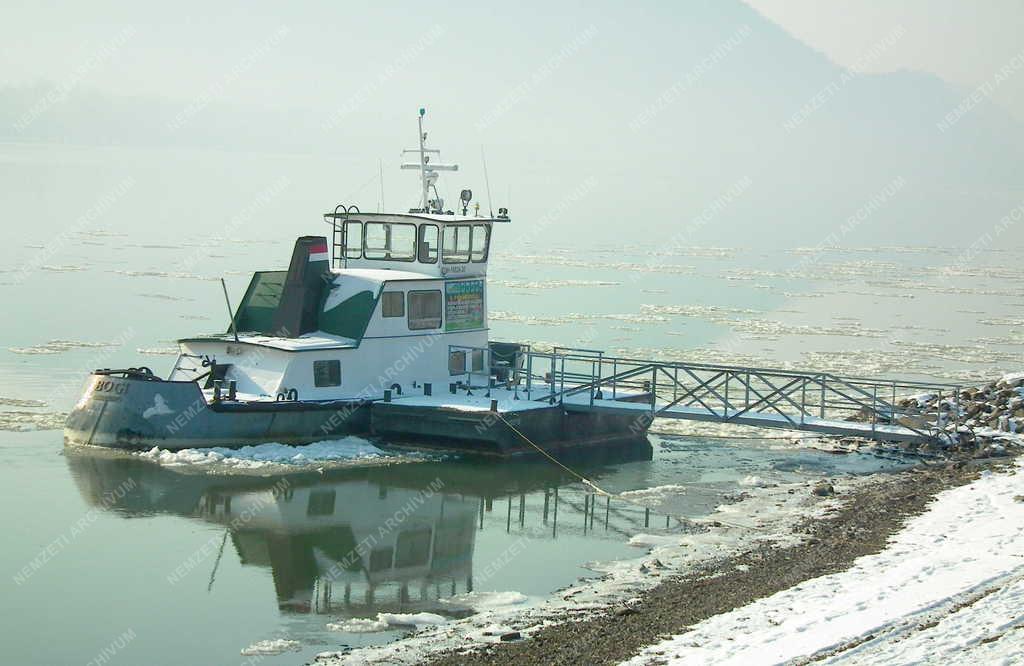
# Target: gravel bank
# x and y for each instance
(860, 526)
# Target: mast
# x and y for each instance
(423, 163)
(428, 171)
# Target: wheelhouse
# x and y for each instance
(432, 244)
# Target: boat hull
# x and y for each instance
(135, 413)
(138, 413)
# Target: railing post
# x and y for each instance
(593, 386)
(746, 394)
(874, 408)
(654, 386)
(615, 377)
(803, 400)
(821, 378)
(529, 374)
(956, 412)
(561, 384)
(551, 399)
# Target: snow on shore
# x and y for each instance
(949, 588)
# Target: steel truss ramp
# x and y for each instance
(585, 380)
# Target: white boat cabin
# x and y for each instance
(395, 301)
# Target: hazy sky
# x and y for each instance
(657, 107)
(961, 41)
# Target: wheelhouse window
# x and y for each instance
(424, 310)
(353, 239)
(481, 240)
(326, 373)
(389, 242)
(428, 244)
(392, 304)
(456, 246)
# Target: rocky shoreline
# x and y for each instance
(860, 525)
(975, 422)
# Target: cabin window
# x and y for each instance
(389, 242)
(424, 310)
(392, 304)
(481, 238)
(478, 360)
(326, 373)
(353, 240)
(457, 363)
(456, 243)
(428, 244)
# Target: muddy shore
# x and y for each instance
(861, 525)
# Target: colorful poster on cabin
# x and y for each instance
(463, 305)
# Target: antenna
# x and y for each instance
(380, 173)
(483, 158)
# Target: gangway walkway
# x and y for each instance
(588, 380)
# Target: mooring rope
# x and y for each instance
(601, 491)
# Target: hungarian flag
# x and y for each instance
(318, 252)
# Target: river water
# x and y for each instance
(113, 254)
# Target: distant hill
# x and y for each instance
(663, 109)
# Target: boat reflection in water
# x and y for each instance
(353, 542)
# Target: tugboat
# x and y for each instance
(382, 331)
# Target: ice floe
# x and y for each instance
(386, 621)
(57, 347)
(23, 421)
(263, 455)
(483, 601)
(653, 497)
(271, 647)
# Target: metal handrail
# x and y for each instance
(485, 368)
(765, 390)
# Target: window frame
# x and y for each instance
(487, 243)
(400, 300)
(335, 363)
(349, 249)
(388, 248)
(469, 248)
(422, 256)
(440, 310)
